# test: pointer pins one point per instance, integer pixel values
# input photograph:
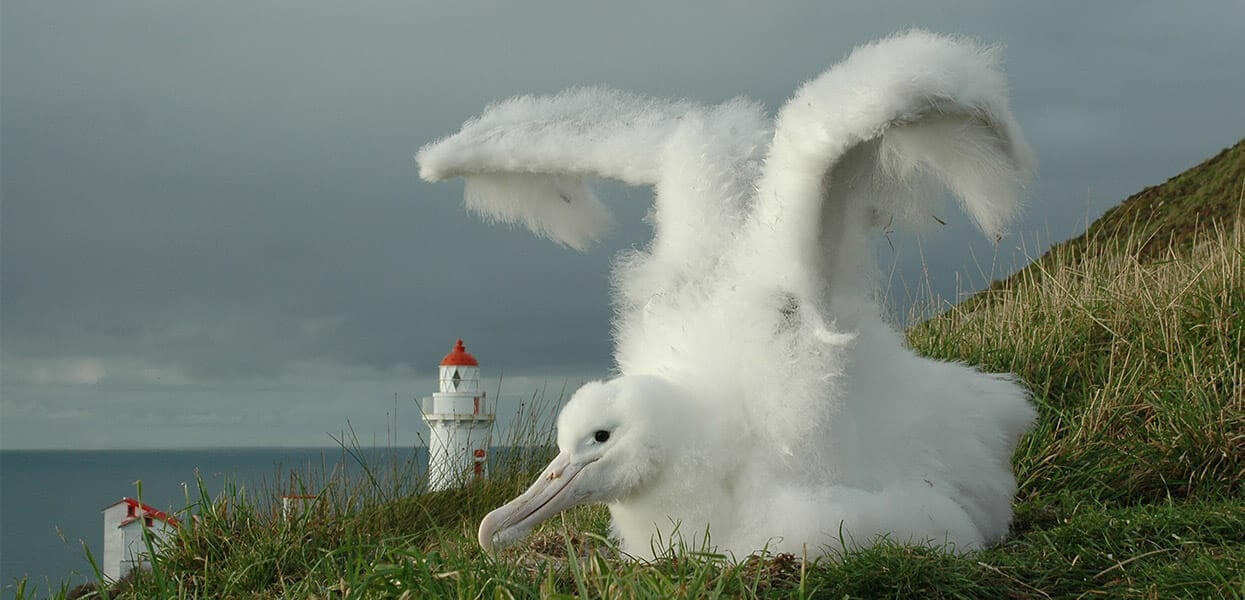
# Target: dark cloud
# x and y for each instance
(210, 209)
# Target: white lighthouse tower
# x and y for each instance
(460, 421)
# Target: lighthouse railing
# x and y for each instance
(481, 408)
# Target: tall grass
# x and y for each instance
(1135, 365)
(1130, 483)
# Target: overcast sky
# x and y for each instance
(213, 231)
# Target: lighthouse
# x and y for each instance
(460, 422)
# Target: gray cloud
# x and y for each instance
(211, 212)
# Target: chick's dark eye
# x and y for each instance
(601, 436)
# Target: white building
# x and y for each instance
(460, 422)
(124, 546)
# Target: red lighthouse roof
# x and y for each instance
(136, 507)
(459, 357)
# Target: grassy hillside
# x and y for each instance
(1131, 484)
(1173, 214)
(1158, 223)
(1164, 218)
(1135, 366)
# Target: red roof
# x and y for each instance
(148, 511)
(459, 357)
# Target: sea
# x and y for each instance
(50, 500)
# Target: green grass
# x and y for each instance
(1159, 219)
(1130, 483)
(1173, 214)
(1135, 368)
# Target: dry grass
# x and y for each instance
(1136, 367)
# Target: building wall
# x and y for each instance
(114, 540)
(459, 425)
(136, 554)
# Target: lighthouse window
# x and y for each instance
(457, 378)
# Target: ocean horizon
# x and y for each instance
(50, 500)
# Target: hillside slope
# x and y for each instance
(1131, 338)
(1175, 212)
(1170, 216)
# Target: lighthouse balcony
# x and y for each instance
(457, 408)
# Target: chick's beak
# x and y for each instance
(549, 495)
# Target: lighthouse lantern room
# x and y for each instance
(460, 422)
